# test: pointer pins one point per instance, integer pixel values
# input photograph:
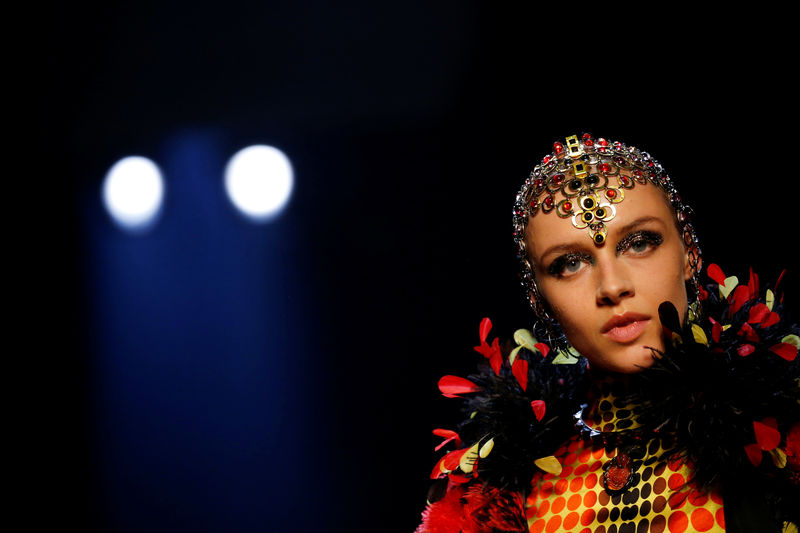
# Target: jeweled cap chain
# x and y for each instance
(583, 179)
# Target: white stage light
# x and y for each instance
(259, 181)
(133, 192)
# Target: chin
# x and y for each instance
(630, 361)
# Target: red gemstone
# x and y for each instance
(624, 179)
(548, 201)
(618, 145)
(534, 203)
(588, 142)
(637, 173)
(546, 159)
(558, 179)
(611, 193)
(602, 142)
(558, 147)
(538, 183)
(587, 136)
(603, 167)
(567, 206)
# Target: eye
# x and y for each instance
(640, 242)
(568, 265)
(639, 246)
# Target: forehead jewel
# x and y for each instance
(582, 179)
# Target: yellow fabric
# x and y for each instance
(660, 501)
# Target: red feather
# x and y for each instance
(452, 386)
(444, 516)
(740, 296)
(496, 361)
(758, 313)
(716, 329)
(767, 437)
(520, 371)
(448, 435)
(785, 350)
(753, 284)
(748, 333)
(539, 409)
(793, 446)
(715, 272)
(745, 349)
(542, 347)
(486, 327)
(779, 279)
(772, 319)
(753, 452)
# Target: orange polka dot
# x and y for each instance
(561, 486)
(581, 470)
(589, 499)
(584, 455)
(546, 490)
(543, 508)
(716, 497)
(677, 499)
(574, 501)
(576, 484)
(720, 516)
(561, 451)
(598, 453)
(587, 517)
(702, 520)
(548, 475)
(538, 526)
(676, 481)
(597, 465)
(573, 445)
(558, 504)
(553, 524)
(585, 530)
(571, 459)
(697, 498)
(678, 522)
(590, 481)
(566, 471)
(571, 520)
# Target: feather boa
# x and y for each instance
(727, 387)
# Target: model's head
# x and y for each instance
(604, 239)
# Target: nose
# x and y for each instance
(614, 283)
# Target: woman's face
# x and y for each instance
(606, 297)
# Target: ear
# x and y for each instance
(692, 262)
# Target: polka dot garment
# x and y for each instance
(657, 499)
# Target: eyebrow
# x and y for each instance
(581, 245)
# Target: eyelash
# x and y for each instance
(652, 238)
(648, 237)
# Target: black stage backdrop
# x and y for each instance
(410, 126)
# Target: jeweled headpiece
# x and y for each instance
(583, 179)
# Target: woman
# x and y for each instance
(679, 410)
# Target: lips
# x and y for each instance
(626, 327)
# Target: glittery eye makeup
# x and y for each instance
(567, 264)
(642, 238)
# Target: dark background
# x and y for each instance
(410, 127)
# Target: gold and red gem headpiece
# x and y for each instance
(583, 179)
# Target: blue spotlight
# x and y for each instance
(133, 192)
(259, 181)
